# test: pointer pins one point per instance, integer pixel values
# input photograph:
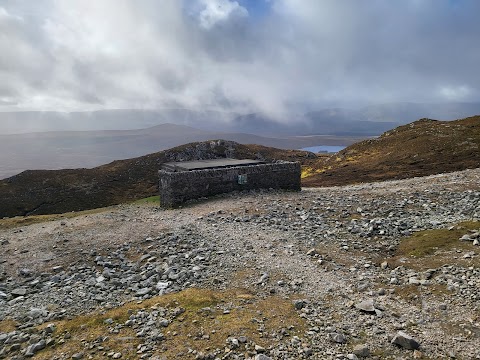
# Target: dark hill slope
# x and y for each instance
(86, 149)
(424, 147)
(58, 191)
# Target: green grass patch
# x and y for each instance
(197, 328)
(152, 200)
(17, 221)
(428, 242)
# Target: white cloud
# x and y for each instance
(214, 12)
(455, 93)
(210, 54)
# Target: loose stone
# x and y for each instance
(406, 341)
(366, 305)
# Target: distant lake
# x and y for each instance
(324, 148)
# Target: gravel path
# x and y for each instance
(332, 249)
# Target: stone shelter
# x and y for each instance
(187, 180)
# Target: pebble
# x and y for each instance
(259, 349)
(366, 305)
(361, 351)
(262, 357)
(338, 338)
(19, 292)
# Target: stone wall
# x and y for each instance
(177, 187)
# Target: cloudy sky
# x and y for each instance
(272, 56)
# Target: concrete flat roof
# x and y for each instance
(208, 164)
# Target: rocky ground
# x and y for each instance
(330, 273)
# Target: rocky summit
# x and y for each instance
(421, 148)
(40, 192)
(385, 270)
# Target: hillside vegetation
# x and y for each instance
(424, 147)
(36, 192)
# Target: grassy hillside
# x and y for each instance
(36, 192)
(421, 148)
(424, 147)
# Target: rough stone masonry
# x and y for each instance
(177, 187)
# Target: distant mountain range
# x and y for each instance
(367, 121)
(56, 140)
(86, 149)
(126, 119)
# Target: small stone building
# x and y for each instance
(186, 180)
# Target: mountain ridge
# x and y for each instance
(301, 123)
(424, 147)
(79, 149)
(59, 191)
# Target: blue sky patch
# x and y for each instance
(256, 8)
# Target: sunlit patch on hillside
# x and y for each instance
(309, 171)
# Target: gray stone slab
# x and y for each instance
(208, 164)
